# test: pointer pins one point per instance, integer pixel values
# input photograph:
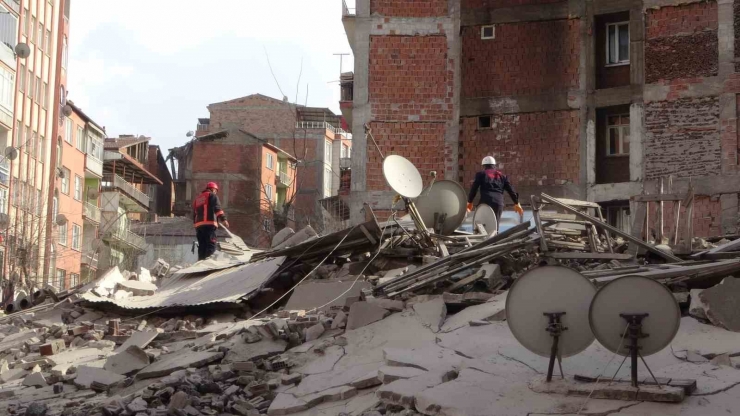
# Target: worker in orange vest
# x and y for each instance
(207, 213)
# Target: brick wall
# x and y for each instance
(682, 138)
(496, 4)
(409, 8)
(410, 78)
(215, 157)
(262, 116)
(421, 143)
(681, 42)
(524, 59)
(533, 149)
(736, 16)
(706, 218)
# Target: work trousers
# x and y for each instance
(206, 241)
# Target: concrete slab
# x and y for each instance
(128, 361)
(696, 306)
(431, 313)
(314, 332)
(16, 340)
(330, 395)
(428, 358)
(363, 313)
(493, 310)
(389, 374)
(137, 288)
(723, 304)
(390, 304)
(323, 363)
(285, 404)
(281, 236)
(313, 294)
(140, 339)
(85, 376)
(403, 392)
(241, 351)
(35, 380)
(13, 374)
(178, 361)
(707, 340)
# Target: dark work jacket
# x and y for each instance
(492, 184)
(207, 209)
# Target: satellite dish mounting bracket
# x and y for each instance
(555, 328)
(635, 334)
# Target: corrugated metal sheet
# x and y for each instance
(222, 286)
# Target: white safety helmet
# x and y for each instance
(488, 160)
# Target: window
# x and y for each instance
(76, 236)
(68, 130)
(488, 32)
(42, 149)
(54, 209)
(78, 188)
(38, 90)
(327, 182)
(65, 181)
(270, 161)
(617, 43)
(484, 122)
(65, 52)
(26, 21)
(48, 41)
(59, 153)
(60, 280)
(32, 143)
(41, 37)
(80, 139)
(74, 280)
(39, 203)
(267, 225)
(345, 151)
(7, 80)
(45, 94)
(618, 135)
(27, 139)
(32, 29)
(268, 192)
(63, 234)
(22, 79)
(3, 200)
(327, 152)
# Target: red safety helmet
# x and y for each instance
(212, 185)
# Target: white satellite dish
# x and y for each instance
(4, 220)
(11, 153)
(548, 307)
(61, 219)
(67, 110)
(22, 50)
(485, 216)
(402, 176)
(446, 198)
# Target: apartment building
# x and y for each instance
(123, 199)
(597, 100)
(32, 54)
(257, 181)
(313, 136)
(160, 196)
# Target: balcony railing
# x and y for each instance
(94, 165)
(5, 172)
(321, 125)
(126, 237)
(345, 162)
(91, 212)
(90, 258)
(283, 178)
(347, 11)
(114, 182)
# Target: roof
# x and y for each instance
(169, 227)
(279, 150)
(204, 120)
(125, 141)
(262, 96)
(84, 116)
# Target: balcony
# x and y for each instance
(322, 125)
(283, 180)
(345, 163)
(125, 238)
(348, 20)
(5, 172)
(93, 167)
(91, 213)
(89, 258)
(137, 201)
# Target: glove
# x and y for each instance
(519, 210)
(225, 223)
(470, 206)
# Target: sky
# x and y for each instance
(150, 67)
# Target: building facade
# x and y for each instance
(160, 196)
(257, 181)
(596, 100)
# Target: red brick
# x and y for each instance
(496, 4)
(409, 8)
(707, 218)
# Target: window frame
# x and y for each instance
(65, 181)
(620, 61)
(68, 130)
(490, 123)
(76, 237)
(620, 139)
(80, 144)
(270, 162)
(63, 230)
(268, 192)
(78, 188)
(483, 35)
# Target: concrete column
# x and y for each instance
(586, 86)
(452, 135)
(360, 110)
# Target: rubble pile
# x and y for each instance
(377, 319)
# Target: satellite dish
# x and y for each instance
(4, 220)
(549, 290)
(93, 193)
(189, 134)
(67, 110)
(61, 219)
(11, 153)
(22, 50)
(485, 216)
(402, 176)
(60, 173)
(634, 295)
(443, 198)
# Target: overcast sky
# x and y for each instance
(151, 67)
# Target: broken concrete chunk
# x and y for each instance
(285, 404)
(86, 376)
(281, 236)
(721, 304)
(37, 409)
(314, 332)
(128, 361)
(696, 306)
(178, 361)
(390, 374)
(370, 379)
(35, 380)
(431, 313)
(339, 321)
(52, 347)
(137, 288)
(310, 295)
(139, 339)
(391, 305)
(364, 313)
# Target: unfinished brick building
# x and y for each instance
(595, 100)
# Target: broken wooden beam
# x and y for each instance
(590, 256)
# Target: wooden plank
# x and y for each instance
(566, 244)
(590, 256)
(557, 216)
(443, 249)
(606, 232)
(468, 280)
(638, 225)
(658, 197)
(668, 257)
(367, 234)
(538, 224)
(577, 203)
(722, 256)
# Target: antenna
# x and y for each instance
(547, 311)
(485, 216)
(443, 203)
(634, 316)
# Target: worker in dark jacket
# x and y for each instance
(207, 213)
(492, 184)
